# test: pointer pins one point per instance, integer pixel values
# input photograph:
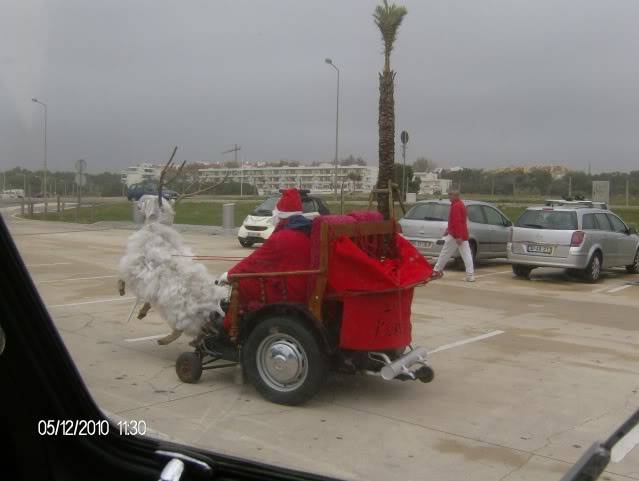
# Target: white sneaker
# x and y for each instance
(470, 278)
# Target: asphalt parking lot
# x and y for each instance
(528, 373)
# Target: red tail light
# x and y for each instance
(577, 238)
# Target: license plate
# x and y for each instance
(423, 244)
(538, 249)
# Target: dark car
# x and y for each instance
(258, 226)
(135, 191)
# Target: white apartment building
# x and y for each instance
(431, 184)
(317, 179)
(144, 172)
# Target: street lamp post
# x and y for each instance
(330, 62)
(44, 180)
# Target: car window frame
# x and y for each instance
(610, 216)
(484, 220)
(426, 204)
(609, 229)
(486, 208)
(594, 221)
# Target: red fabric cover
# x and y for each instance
(285, 250)
(457, 221)
(351, 270)
(290, 201)
(375, 321)
(366, 215)
(316, 230)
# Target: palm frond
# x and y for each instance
(388, 18)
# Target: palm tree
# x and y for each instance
(388, 18)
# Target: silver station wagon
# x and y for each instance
(579, 237)
(488, 228)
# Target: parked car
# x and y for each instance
(578, 237)
(258, 226)
(488, 228)
(135, 191)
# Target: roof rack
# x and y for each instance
(576, 203)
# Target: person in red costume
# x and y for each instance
(287, 249)
(456, 237)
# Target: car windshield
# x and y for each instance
(266, 207)
(548, 219)
(431, 211)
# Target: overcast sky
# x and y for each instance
(479, 83)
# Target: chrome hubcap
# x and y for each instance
(282, 362)
(595, 267)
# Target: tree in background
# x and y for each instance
(412, 184)
(388, 18)
(423, 164)
(351, 160)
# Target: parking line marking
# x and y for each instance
(625, 445)
(466, 341)
(617, 289)
(51, 264)
(97, 301)
(147, 338)
(494, 274)
(74, 279)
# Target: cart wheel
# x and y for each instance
(425, 374)
(284, 360)
(245, 243)
(189, 367)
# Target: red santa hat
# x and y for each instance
(290, 204)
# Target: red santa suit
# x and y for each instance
(287, 249)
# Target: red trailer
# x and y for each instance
(357, 318)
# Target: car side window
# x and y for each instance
(475, 214)
(588, 222)
(309, 205)
(617, 223)
(602, 222)
(493, 217)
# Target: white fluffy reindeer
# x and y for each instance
(159, 268)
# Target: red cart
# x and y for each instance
(356, 320)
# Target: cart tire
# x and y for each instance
(425, 374)
(246, 243)
(284, 361)
(634, 267)
(188, 367)
(522, 271)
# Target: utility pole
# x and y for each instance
(44, 177)
(492, 186)
(569, 186)
(628, 192)
(332, 64)
(404, 138)
(236, 148)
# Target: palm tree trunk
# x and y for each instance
(386, 125)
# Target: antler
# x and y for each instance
(187, 194)
(163, 173)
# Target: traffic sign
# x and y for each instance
(80, 165)
(404, 137)
(80, 179)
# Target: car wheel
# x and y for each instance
(284, 361)
(188, 367)
(246, 243)
(522, 271)
(634, 267)
(592, 272)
